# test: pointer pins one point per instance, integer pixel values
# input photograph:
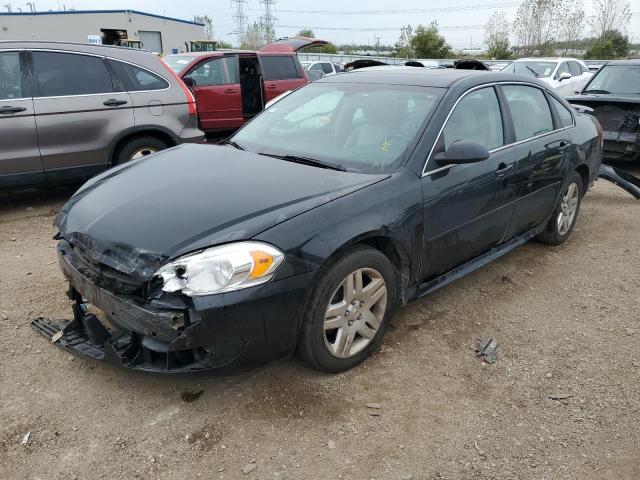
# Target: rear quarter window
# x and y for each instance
(137, 79)
(566, 119)
(279, 67)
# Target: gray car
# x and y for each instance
(69, 111)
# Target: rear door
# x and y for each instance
(543, 150)
(20, 162)
(280, 73)
(468, 208)
(217, 91)
(78, 113)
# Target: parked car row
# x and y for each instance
(566, 75)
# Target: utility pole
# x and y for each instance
(240, 18)
(268, 21)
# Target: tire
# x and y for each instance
(363, 320)
(138, 147)
(562, 221)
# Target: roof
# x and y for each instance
(426, 77)
(547, 59)
(84, 12)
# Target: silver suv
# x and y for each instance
(69, 111)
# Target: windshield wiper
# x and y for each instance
(233, 144)
(596, 90)
(307, 161)
(535, 74)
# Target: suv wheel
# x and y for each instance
(566, 213)
(348, 311)
(138, 148)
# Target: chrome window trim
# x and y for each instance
(509, 145)
(72, 52)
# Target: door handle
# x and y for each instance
(563, 145)
(231, 90)
(503, 168)
(115, 103)
(272, 87)
(7, 110)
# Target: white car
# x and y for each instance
(566, 75)
(327, 68)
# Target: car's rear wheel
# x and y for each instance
(348, 311)
(138, 148)
(566, 213)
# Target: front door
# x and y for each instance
(78, 113)
(20, 161)
(218, 94)
(468, 208)
(543, 152)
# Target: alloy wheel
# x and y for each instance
(355, 313)
(142, 152)
(568, 209)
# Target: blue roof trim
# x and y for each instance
(75, 12)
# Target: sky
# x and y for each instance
(357, 21)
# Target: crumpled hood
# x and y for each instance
(135, 217)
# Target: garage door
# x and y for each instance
(151, 41)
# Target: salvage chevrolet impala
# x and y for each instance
(339, 203)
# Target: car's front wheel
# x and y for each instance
(348, 311)
(566, 213)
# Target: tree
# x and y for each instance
(428, 43)
(496, 36)
(612, 44)
(537, 24)
(221, 44)
(208, 25)
(306, 32)
(572, 24)
(610, 15)
(255, 37)
(403, 45)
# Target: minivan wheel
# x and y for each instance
(348, 311)
(138, 148)
(566, 213)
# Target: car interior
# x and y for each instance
(10, 86)
(251, 86)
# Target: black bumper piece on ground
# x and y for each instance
(623, 179)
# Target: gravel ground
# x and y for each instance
(566, 321)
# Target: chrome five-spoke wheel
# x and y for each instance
(568, 209)
(355, 312)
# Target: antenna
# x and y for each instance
(268, 21)
(240, 18)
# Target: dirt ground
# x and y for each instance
(566, 320)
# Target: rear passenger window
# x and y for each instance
(477, 119)
(64, 74)
(327, 68)
(10, 80)
(279, 67)
(529, 110)
(566, 119)
(137, 79)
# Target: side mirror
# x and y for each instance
(462, 152)
(564, 76)
(189, 82)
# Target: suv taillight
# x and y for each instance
(191, 100)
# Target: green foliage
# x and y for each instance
(208, 25)
(306, 32)
(221, 44)
(612, 44)
(428, 43)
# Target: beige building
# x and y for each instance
(110, 27)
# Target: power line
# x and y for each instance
(385, 29)
(466, 8)
(240, 18)
(268, 21)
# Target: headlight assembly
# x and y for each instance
(221, 269)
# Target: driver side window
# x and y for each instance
(10, 81)
(563, 68)
(209, 73)
(477, 119)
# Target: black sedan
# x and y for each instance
(342, 201)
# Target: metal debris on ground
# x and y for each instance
(622, 178)
(486, 349)
(561, 396)
(26, 438)
(57, 336)
(375, 406)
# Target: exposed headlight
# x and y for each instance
(221, 269)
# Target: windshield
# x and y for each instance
(361, 127)
(178, 62)
(532, 68)
(616, 79)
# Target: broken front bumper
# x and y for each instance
(621, 146)
(177, 334)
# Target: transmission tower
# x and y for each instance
(268, 21)
(240, 18)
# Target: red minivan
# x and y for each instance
(232, 87)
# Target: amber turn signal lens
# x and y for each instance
(262, 262)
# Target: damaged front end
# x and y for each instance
(130, 328)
